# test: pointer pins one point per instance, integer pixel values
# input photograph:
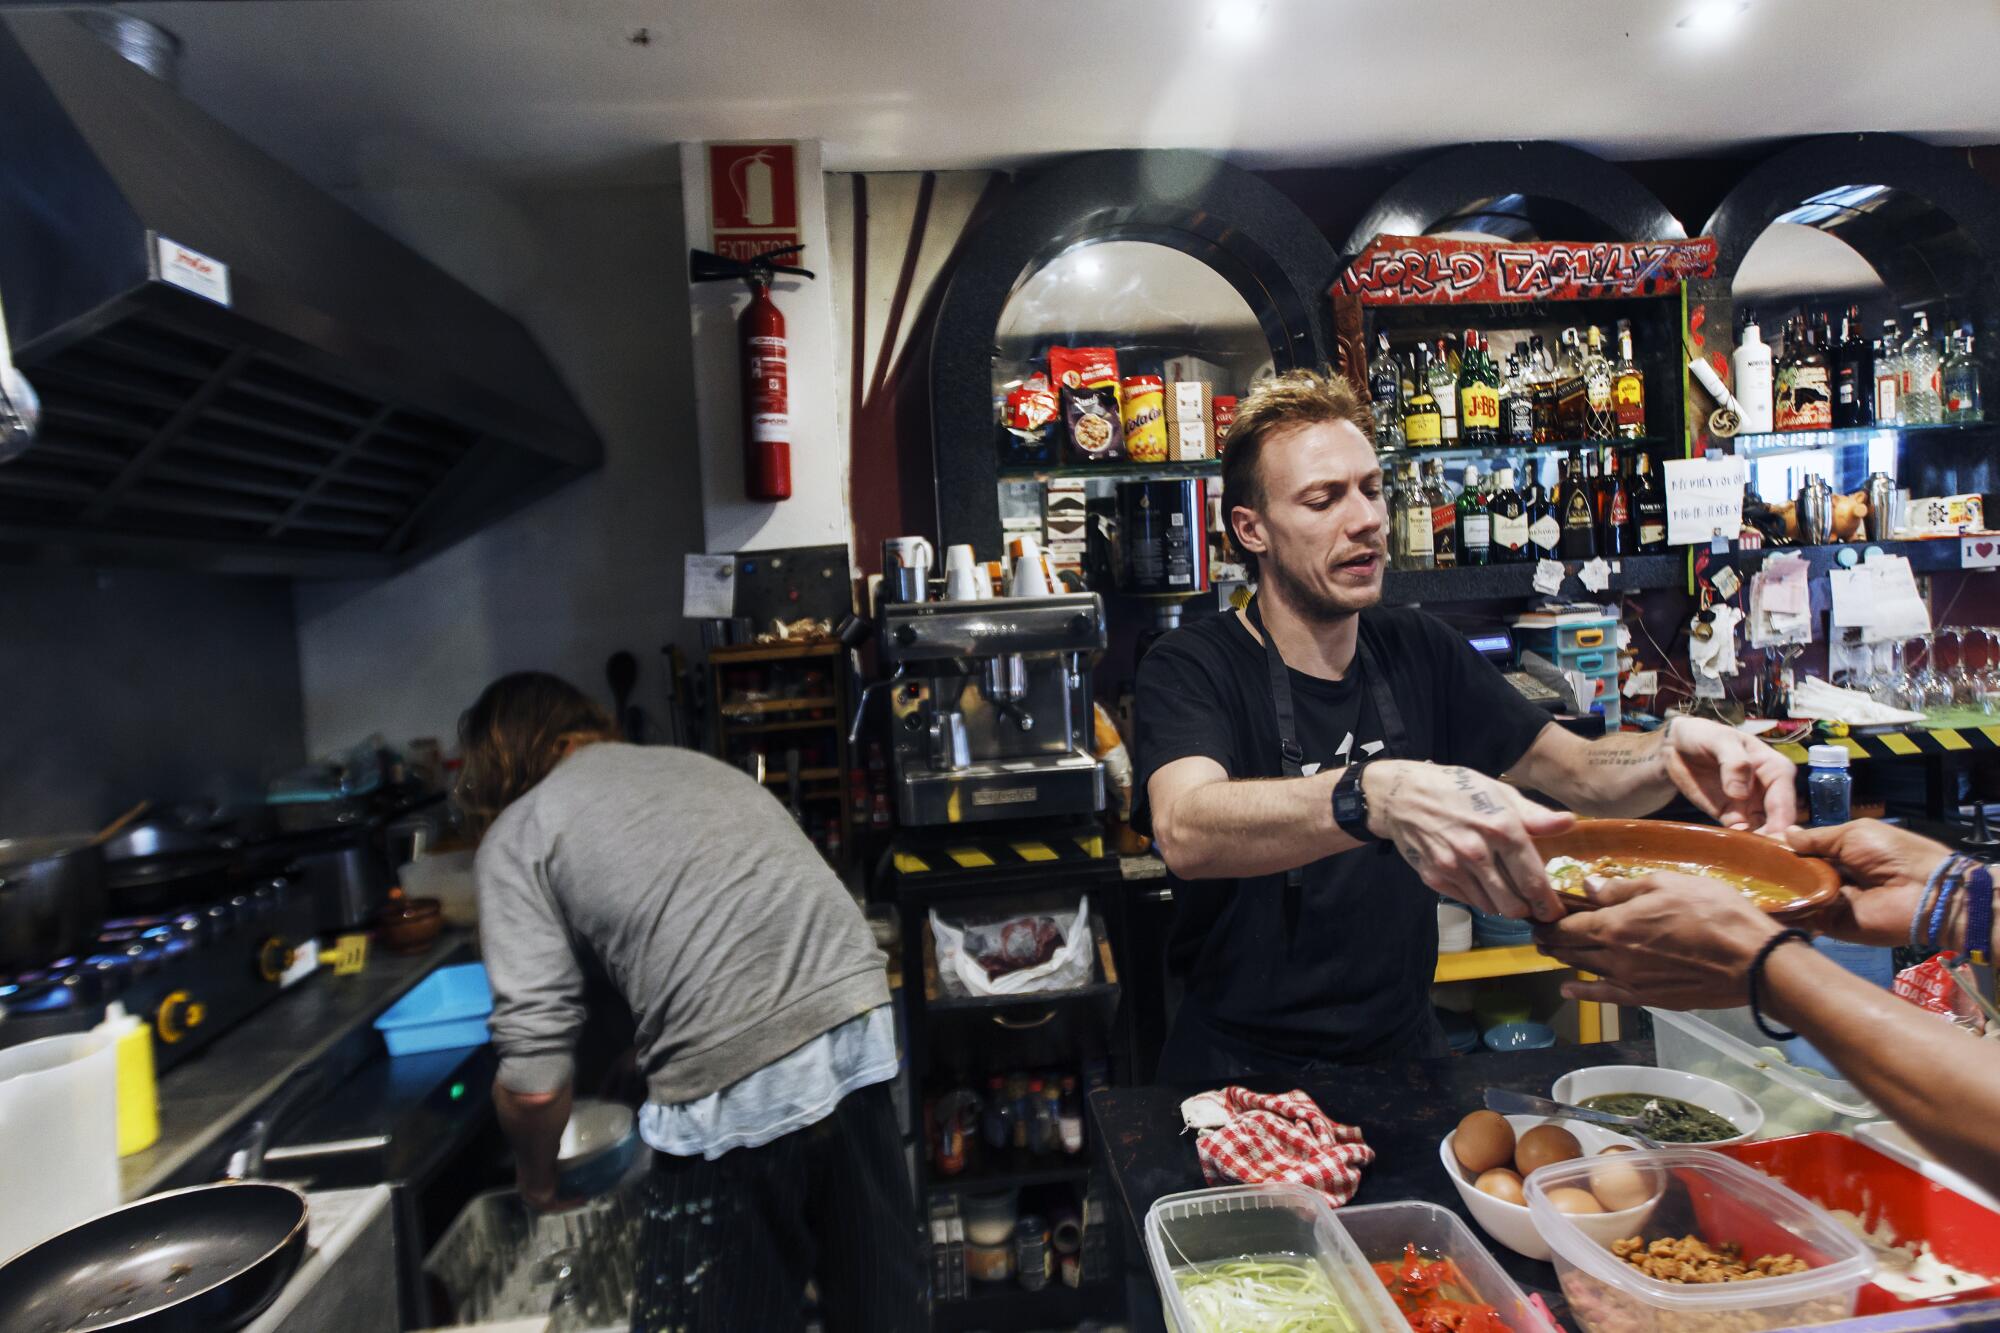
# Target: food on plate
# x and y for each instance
(1690, 1259)
(1435, 1297)
(1483, 1141)
(1276, 1293)
(1619, 1186)
(1908, 1270)
(1608, 1149)
(1502, 1184)
(1668, 1119)
(1542, 1145)
(1569, 875)
(1569, 1199)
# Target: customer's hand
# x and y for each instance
(1468, 836)
(1670, 941)
(1737, 780)
(1883, 871)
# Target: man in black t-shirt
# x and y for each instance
(1310, 766)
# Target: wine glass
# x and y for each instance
(1887, 681)
(1931, 691)
(1986, 673)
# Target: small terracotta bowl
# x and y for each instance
(1815, 883)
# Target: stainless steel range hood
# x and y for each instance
(236, 371)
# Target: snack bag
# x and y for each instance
(1030, 420)
(1145, 412)
(1086, 379)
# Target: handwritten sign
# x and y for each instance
(1427, 270)
(1704, 499)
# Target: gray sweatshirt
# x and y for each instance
(711, 912)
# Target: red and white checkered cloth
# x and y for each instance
(1278, 1137)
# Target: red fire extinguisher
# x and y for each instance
(767, 430)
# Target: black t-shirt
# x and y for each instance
(1348, 978)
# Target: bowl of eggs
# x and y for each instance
(1489, 1155)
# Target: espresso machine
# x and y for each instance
(990, 714)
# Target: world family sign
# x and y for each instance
(1426, 270)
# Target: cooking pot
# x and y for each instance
(51, 898)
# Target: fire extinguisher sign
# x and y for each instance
(753, 198)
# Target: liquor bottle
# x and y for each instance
(1517, 406)
(1628, 387)
(1509, 519)
(1649, 506)
(1570, 395)
(1423, 425)
(1961, 382)
(1600, 418)
(1385, 387)
(1579, 517)
(1478, 394)
(1443, 386)
(1544, 523)
(1412, 522)
(1853, 374)
(1542, 390)
(1782, 360)
(1475, 522)
(1752, 371)
(1444, 516)
(1921, 405)
(1617, 536)
(1888, 354)
(1812, 380)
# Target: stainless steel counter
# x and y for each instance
(211, 1096)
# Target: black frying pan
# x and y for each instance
(200, 1260)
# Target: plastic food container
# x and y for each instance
(444, 1011)
(1724, 1044)
(1718, 1200)
(1246, 1221)
(1732, 1104)
(1382, 1230)
(1836, 1172)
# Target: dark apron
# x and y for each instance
(1196, 1049)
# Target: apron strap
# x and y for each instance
(1291, 756)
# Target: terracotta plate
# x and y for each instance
(1815, 883)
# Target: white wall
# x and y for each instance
(599, 277)
(817, 513)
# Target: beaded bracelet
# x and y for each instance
(1924, 901)
(1756, 975)
(1979, 915)
(1954, 880)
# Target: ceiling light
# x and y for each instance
(1713, 15)
(1238, 20)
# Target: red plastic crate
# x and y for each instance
(1838, 1173)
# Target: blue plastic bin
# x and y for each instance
(445, 1011)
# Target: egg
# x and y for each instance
(1483, 1141)
(1616, 1147)
(1502, 1184)
(1545, 1144)
(1619, 1186)
(1571, 1200)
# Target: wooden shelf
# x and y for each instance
(760, 707)
(1047, 1169)
(740, 654)
(1513, 960)
(1478, 583)
(767, 728)
(780, 778)
(1123, 471)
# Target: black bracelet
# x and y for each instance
(1756, 976)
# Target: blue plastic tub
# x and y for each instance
(444, 1011)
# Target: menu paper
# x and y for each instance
(1704, 499)
(1879, 598)
(1548, 577)
(708, 587)
(1595, 574)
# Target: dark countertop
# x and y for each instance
(211, 1095)
(1404, 1111)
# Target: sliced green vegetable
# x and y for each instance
(1264, 1294)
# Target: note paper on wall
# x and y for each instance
(1704, 499)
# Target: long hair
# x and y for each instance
(518, 730)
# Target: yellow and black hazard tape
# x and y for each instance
(1912, 744)
(999, 853)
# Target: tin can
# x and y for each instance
(1145, 419)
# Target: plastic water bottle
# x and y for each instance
(1828, 785)
(1829, 788)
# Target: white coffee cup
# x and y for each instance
(965, 582)
(1031, 576)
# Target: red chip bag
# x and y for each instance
(1083, 367)
(1929, 986)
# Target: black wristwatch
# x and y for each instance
(1350, 803)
